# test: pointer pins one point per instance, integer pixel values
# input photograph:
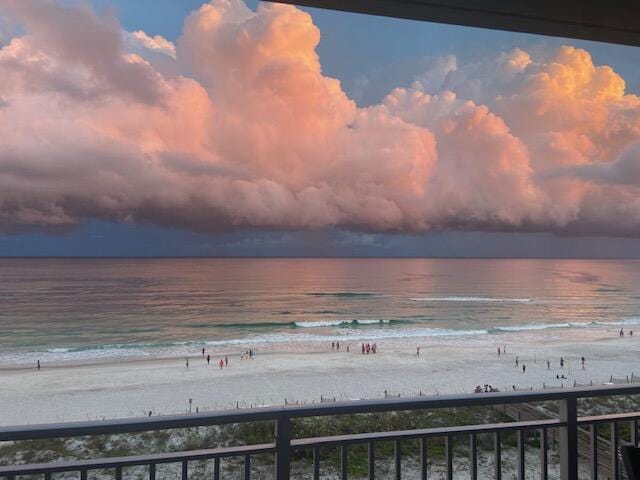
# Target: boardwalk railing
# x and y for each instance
(283, 445)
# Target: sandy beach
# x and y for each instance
(128, 388)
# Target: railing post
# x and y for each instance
(316, 463)
(615, 466)
(473, 458)
(423, 458)
(283, 448)
(216, 468)
(521, 458)
(593, 435)
(343, 462)
(544, 454)
(398, 459)
(372, 460)
(497, 442)
(569, 438)
(448, 452)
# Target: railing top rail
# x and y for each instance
(608, 418)
(134, 460)
(132, 425)
(303, 443)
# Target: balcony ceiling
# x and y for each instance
(615, 21)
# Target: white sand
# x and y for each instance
(133, 388)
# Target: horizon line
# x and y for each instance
(267, 257)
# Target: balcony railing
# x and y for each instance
(568, 425)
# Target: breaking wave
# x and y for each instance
(341, 294)
(472, 299)
(344, 323)
(298, 324)
(378, 330)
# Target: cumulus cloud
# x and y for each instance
(157, 43)
(625, 170)
(76, 39)
(235, 126)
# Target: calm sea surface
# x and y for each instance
(66, 309)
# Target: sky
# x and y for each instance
(228, 128)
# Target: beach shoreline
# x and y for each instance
(134, 387)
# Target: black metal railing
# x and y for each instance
(569, 429)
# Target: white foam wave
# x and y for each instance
(472, 299)
(541, 326)
(626, 321)
(320, 323)
(178, 348)
(54, 355)
(349, 335)
(372, 322)
(337, 323)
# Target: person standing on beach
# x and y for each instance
(548, 365)
(524, 368)
(333, 345)
(208, 359)
(187, 362)
(517, 361)
(221, 363)
(203, 351)
(498, 352)
(583, 359)
(226, 361)
(363, 348)
(417, 351)
(561, 362)
(337, 345)
(622, 332)
(38, 365)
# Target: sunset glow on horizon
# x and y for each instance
(235, 126)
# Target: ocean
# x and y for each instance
(84, 310)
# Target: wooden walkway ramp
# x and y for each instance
(526, 412)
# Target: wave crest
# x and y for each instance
(472, 299)
(337, 323)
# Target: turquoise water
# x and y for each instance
(97, 308)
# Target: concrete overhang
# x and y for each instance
(612, 21)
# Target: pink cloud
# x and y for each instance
(236, 126)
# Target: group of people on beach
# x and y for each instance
(621, 333)
(222, 362)
(247, 354)
(486, 389)
(369, 348)
(518, 364)
(524, 367)
(366, 348)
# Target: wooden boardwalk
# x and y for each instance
(527, 412)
